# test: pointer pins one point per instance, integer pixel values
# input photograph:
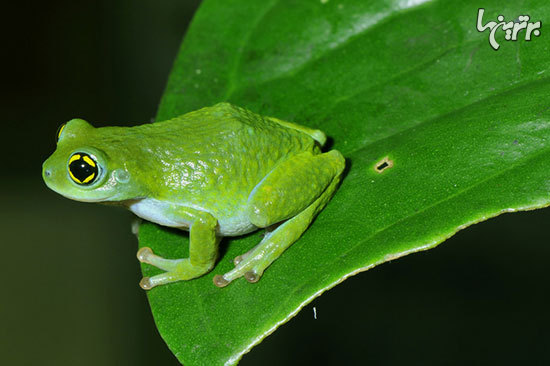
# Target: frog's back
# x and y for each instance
(215, 156)
(224, 124)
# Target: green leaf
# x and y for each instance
(465, 127)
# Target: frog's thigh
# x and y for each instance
(203, 250)
(314, 181)
(292, 186)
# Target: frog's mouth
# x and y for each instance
(80, 198)
(87, 199)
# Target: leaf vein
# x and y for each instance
(237, 60)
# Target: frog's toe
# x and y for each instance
(135, 226)
(220, 281)
(146, 283)
(247, 268)
(251, 276)
(238, 259)
(144, 254)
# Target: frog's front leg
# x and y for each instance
(203, 251)
(291, 195)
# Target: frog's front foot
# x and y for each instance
(176, 269)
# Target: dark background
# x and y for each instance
(69, 293)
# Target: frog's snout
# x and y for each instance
(46, 171)
(49, 176)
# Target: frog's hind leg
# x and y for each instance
(295, 191)
(317, 135)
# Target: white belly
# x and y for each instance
(237, 225)
(162, 213)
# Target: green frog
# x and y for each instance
(218, 171)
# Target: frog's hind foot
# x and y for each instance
(220, 281)
(282, 231)
(250, 276)
(243, 267)
(250, 265)
(238, 259)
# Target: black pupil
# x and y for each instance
(82, 170)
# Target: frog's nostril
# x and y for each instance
(47, 173)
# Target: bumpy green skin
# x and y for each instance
(218, 171)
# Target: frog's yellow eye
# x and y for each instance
(83, 168)
(60, 130)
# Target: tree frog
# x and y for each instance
(218, 171)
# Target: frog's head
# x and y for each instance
(85, 168)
